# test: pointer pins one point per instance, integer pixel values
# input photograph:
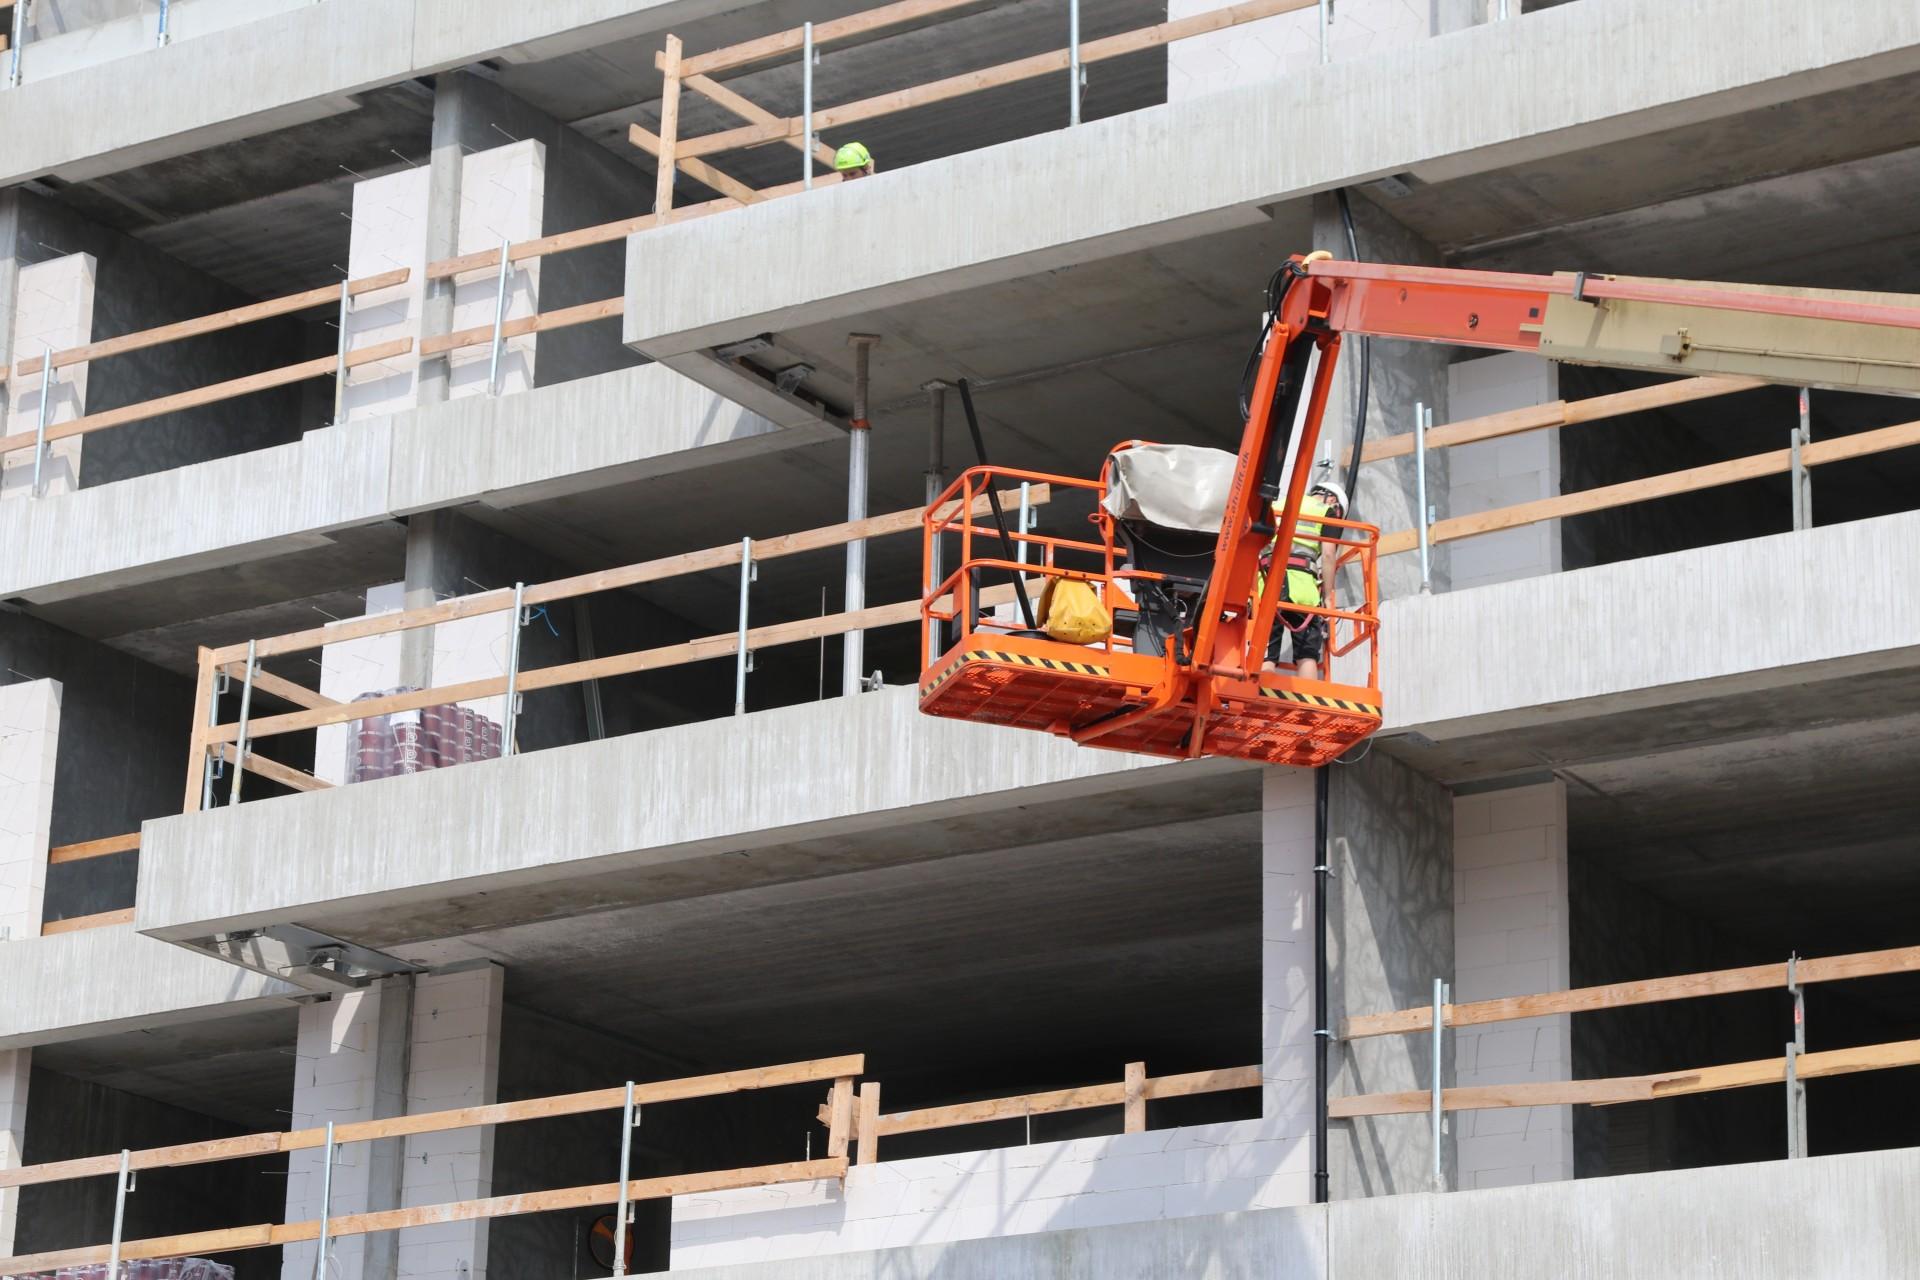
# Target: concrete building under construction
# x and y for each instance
(465, 804)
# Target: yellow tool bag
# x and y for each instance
(1071, 612)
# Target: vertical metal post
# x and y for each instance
(853, 642)
(326, 1207)
(340, 361)
(240, 739)
(1504, 14)
(1326, 22)
(806, 105)
(40, 432)
(1796, 1087)
(742, 659)
(120, 1190)
(1422, 515)
(19, 38)
(207, 772)
(936, 480)
(620, 1213)
(513, 671)
(1074, 71)
(1801, 481)
(499, 318)
(164, 34)
(1026, 521)
(1439, 1015)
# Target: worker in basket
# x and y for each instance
(853, 161)
(1303, 583)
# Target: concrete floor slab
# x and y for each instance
(100, 981)
(683, 805)
(1476, 100)
(511, 451)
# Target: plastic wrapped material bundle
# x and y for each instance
(1174, 486)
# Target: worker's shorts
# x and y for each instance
(1309, 641)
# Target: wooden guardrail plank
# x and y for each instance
(1617, 995)
(1671, 484)
(1556, 413)
(93, 849)
(1055, 62)
(302, 301)
(203, 1243)
(194, 399)
(267, 682)
(824, 33)
(725, 183)
(546, 322)
(214, 1150)
(79, 924)
(747, 109)
(599, 580)
(272, 770)
(1663, 1084)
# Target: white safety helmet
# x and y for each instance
(1333, 489)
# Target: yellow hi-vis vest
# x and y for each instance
(1303, 564)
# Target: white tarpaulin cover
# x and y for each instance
(1175, 486)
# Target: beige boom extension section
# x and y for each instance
(840, 1073)
(1664, 1084)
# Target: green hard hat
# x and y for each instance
(851, 156)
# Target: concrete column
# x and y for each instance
(502, 196)
(389, 233)
(1500, 473)
(1289, 43)
(29, 738)
(1404, 374)
(455, 1063)
(52, 307)
(1511, 939)
(336, 1070)
(402, 1047)
(1390, 914)
(1287, 949)
(452, 107)
(16, 1067)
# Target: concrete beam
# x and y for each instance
(1832, 1216)
(661, 813)
(284, 69)
(1766, 613)
(504, 451)
(74, 986)
(1487, 98)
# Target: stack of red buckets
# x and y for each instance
(415, 741)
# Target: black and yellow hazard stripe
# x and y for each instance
(1316, 700)
(1014, 659)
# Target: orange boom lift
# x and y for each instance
(1181, 672)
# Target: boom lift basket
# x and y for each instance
(1138, 689)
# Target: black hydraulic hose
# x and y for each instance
(993, 501)
(1366, 370)
(1322, 1034)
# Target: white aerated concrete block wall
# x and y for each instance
(1287, 949)
(53, 307)
(1510, 939)
(15, 1069)
(389, 233)
(29, 739)
(336, 1058)
(1087, 1182)
(1504, 472)
(502, 197)
(454, 1062)
(1289, 42)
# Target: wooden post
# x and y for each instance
(869, 1125)
(1136, 1104)
(669, 128)
(197, 738)
(839, 1116)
